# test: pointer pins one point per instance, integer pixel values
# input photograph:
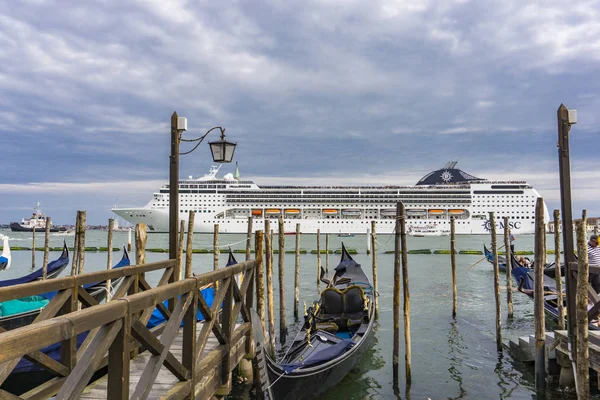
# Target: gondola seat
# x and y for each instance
(332, 302)
(354, 306)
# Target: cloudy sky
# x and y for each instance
(327, 91)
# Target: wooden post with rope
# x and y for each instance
(180, 251)
(327, 253)
(270, 300)
(81, 261)
(249, 239)
(582, 361)
(318, 258)
(509, 301)
(297, 273)
(189, 248)
(216, 252)
(260, 277)
(396, 302)
(557, 274)
(538, 297)
(374, 246)
(406, 293)
(453, 263)
(33, 250)
(496, 283)
(282, 317)
(75, 246)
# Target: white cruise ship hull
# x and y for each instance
(230, 202)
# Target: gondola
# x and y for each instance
(54, 269)
(338, 329)
(5, 257)
(525, 279)
(549, 268)
(21, 312)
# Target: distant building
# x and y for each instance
(592, 224)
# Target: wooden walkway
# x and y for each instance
(165, 380)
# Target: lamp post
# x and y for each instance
(222, 152)
(566, 118)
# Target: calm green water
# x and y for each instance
(450, 358)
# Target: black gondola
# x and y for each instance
(338, 330)
(549, 268)
(98, 290)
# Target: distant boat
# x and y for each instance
(37, 221)
(427, 230)
(345, 235)
(5, 256)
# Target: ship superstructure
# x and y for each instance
(440, 195)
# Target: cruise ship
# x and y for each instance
(439, 196)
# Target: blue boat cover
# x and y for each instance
(158, 318)
(18, 306)
(319, 357)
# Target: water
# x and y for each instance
(450, 358)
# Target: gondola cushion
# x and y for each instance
(353, 299)
(332, 301)
(328, 326)
(18, 306)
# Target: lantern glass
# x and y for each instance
(222, 151)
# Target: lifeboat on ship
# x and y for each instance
(388, 212)
(272, 211)
(351, 212)
(257, 212)
(292, 211)
(436, 212)
(330, 211)
(416, 212)
(456, 212)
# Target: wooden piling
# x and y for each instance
(496, 283)
(33, 250)
(297, 273)
(129, 239)
(557, 274)
(282, 316)
(270, 300)
(46, 249)
(396, 301)
(318, 257)
(368, 242)
(140, 244)
(75, 246)
(453, 264)
(538, 297)
(216, 251)
(327, 253)
(82, 223)
(109, 246)
(189, 248)
(374, 246)
(582, 360)
(180, 250)
(509, 301)
(406, 293)
(259, 252)
(249, 239)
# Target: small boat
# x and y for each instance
(436, 211)
(427, 230)
(345, 235)
(415, 212)
(99, 290)
(456, 212)
(37, 221)
(338, 330)
(5, 256)
(549, 268)
(272, 211)
(292, 211)
(330, 211)
(257, 212)
(388, 212)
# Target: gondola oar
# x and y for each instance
(481, 259)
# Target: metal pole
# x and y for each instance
(567, 218)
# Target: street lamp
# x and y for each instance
(222, 152)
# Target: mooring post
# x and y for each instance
(368, 242)
(81, 264)
(260, 277)
(129, 239)
(496, 283)
(406, 292)
(189, 248)
(538, 297)
(46, 249)
(509, 302)
(75, 246)
(249, 239)
(216, 252)
(297, 273)
(374, 245)
(270, 300)
(282, 317)
(453, 263)
(33, 250)
(582, 360)
(326, 253)
(557, 274)
(140, 244)
(109, 246)
(180, 250)
(318, 257)
(396, 300)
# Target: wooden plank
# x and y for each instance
(152, 344)
(4, 395)
(83, 371)
(45, 390)
(151, 370)
(207, 327)
(86, 298)
(119, 361)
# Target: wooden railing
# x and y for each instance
(117, 331)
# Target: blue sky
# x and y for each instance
(357, 92)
